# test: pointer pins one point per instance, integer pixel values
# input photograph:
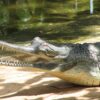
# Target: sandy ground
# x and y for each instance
(27, 85)
(91, 40)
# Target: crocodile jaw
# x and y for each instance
(79, 76)
(76, 75)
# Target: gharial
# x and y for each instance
(74, 63)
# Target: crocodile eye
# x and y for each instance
(45, 45)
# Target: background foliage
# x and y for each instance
(56, 20)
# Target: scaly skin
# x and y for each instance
(75, 63)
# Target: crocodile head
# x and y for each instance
(41, 45)
(36, 42)
(83, 70)
(50, 49)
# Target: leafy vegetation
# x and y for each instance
(56, 20)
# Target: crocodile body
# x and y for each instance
(75, 63)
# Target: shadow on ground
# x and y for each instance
(42, 86)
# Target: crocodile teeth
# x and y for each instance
(16, 64)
